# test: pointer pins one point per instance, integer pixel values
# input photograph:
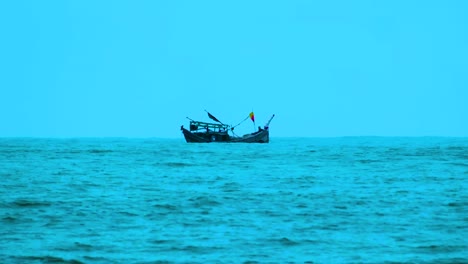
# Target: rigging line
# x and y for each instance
(242, 121)
(233, 133)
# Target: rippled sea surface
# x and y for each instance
(317, 200)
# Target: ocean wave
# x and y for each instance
(436, 249)
(175, 164)
(100, 151)
(45, 260)
(30, 203)
(192, 249)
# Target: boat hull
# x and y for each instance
(262, 136)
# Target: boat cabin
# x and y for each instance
(210, 131)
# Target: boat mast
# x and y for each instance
(268, 123)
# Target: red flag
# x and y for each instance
(252, 116)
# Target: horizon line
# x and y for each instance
(156, 137)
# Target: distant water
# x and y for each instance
(340, 200)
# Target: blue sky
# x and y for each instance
(325, 68)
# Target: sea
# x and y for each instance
(294, 200)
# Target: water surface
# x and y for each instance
(336, 200)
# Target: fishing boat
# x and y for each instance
(204, 132)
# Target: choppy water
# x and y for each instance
(341, 200)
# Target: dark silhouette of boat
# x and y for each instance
(203, 132)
